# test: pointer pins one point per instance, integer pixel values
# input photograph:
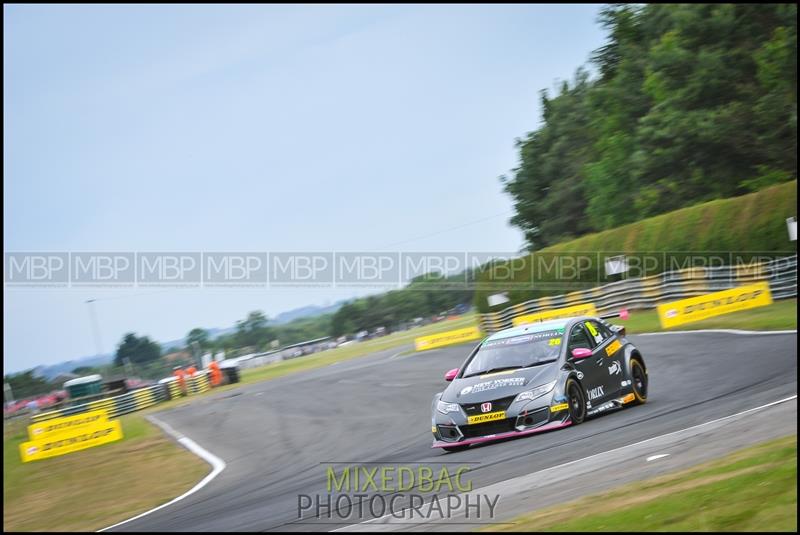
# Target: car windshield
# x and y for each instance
(516, 352)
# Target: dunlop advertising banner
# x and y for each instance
(75, 439)
(586, 309)
(57, 426)
(714, 304)
(447, 338)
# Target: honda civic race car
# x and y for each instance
(537, 377)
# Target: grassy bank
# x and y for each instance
(750, 226)
(754, 489)
(94, 488)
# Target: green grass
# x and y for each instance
(360, 349)
(754, 489)
(780, 315)
(94, 488)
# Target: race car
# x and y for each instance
(537, 377)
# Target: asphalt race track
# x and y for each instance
(278, 437)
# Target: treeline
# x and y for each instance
(690, 103)
(426, 295)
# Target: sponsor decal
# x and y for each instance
(615, 368)
(65, 424)
(580, 375)
(486, 407)
(551, 336)
(447, 338)
(624, 383)
(595, 393)
(714, 304)
(601, 408)
(559, 407)
(598, 338)
(587, 309)
(77, 438)
(480, 418)
(492, 385)
(613, 347)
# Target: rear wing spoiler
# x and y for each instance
(622, 314)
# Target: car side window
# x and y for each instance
(597, 332)
(578, 339)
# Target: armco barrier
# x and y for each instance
(647, 292)
(133, 401)
(116, 406)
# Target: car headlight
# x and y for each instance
(536, 392)
(445, 408)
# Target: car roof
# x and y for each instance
(534, 327)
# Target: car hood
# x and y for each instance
(498, 385)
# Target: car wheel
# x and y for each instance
(576, 400)
(638, 381)
(452, 449)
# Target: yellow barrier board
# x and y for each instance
(447, 338)
(586, 309)
(57, 426)
(714, 304)
(77, 439)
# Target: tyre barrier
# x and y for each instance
(134, 400)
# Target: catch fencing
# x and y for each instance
(647, 292)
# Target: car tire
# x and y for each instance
(453, 449)
(576, 401)
(638, 382)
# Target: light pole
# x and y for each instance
(95, 326)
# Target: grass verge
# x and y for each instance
(779, 315)
(94, 488)
(352, 351)
(754, 489)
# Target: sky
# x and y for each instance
(259, 128)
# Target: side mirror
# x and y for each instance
(449, 376)
(580, 353)
(618, 330)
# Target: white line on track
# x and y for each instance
(761, 407)
(217, 465)
(729, 331)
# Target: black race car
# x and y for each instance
(537, 377)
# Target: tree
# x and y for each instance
(198, 336)
(253, 331)
(692, 102)
(84, 370)
(136, 350)
(26, 384)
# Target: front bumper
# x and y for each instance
(500, 436)
(519, 419)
